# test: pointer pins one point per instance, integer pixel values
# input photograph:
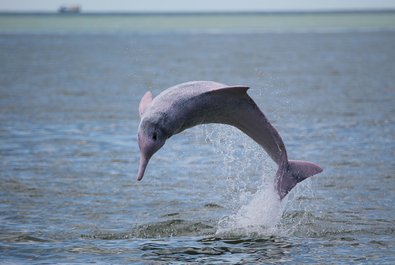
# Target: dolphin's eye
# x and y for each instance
(154, 136)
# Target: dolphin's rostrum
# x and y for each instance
(188, 104)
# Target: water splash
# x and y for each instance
(260, 216)
(250, 194)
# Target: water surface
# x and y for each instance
(68, 122)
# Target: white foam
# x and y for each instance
(261, 215)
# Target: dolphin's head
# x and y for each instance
(151, 137)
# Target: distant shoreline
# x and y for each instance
(201, 13)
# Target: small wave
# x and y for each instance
(23, 239)
(229, 250)
(169, 228)
(176, 227)
(212, 206)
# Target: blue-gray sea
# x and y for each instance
(69, 95)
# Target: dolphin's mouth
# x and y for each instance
(142, 166)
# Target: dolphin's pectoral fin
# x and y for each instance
(145, 102)
(241, 90)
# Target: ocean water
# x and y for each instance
(69, 94)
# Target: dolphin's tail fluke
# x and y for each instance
(295, 172)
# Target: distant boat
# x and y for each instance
(69, 9)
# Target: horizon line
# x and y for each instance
(208, 12)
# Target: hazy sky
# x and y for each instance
(197, 5)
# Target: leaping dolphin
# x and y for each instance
(199, 102)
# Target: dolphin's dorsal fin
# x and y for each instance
(241, 90)
(145, 102)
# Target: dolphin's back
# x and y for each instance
(192, 103)
(182, 93)
(192, 88)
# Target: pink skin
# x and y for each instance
(193, 103)
(146, 152)
(148, 146)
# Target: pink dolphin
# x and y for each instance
(189, 104)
